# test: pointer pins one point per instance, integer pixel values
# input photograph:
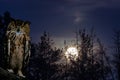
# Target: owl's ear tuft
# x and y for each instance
(27, 22)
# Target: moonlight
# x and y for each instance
(71, 53)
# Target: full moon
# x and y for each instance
(71, 53)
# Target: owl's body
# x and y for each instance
(18, 46)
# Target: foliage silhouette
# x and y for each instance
(43, 58)
(116, 55)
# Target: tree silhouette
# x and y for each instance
(4, 21)
(91, 63)
(42, 61)
(117, 52)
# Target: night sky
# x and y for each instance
(61, 18)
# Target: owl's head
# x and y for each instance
(19, 26)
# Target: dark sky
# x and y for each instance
(62, 17)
